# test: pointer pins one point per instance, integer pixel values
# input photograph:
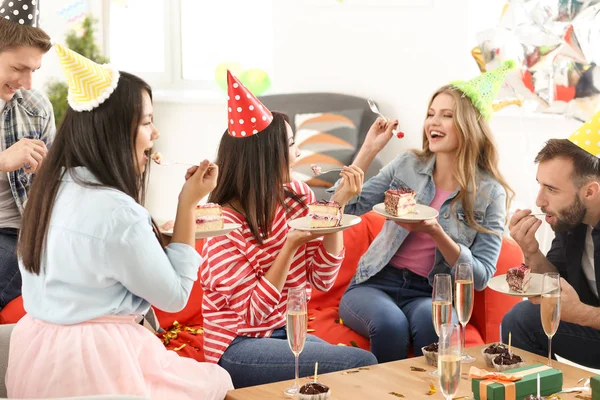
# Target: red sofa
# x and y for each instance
(186, 338)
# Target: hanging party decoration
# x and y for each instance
(556, 44)
(74, 12)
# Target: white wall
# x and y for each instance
(57, 26)
(395, 55)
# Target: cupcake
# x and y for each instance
(507, 361)
(314, 391)
(492, 351)
(431, 354)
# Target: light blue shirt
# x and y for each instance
(102, 258)
(480, 249)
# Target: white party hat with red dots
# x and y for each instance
(246, 114)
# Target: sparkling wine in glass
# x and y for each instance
(297, 321)
(550, 307)
(441, 306)
(464, 293)
(449, 359)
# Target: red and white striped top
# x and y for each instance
(238, 300)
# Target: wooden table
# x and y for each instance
(379, 380)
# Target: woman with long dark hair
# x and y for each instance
(246, 275)
(91, 257)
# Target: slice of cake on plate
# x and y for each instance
(209, 217)
(400, 202)
(325, 214)
(518, 278)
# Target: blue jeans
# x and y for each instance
(10, 277)
(255, 361)
(576, 343)
(393, 310)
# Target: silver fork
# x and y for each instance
(375, 110)
(329, 170)
(174, 163)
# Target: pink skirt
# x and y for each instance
(105, 356)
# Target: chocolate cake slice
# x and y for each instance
(518, 278)
(400, 202)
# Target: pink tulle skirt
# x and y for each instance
(105, 356)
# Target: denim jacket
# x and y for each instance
(479, 249)
(27, 115)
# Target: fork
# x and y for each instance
(329, 170)
(174, 163)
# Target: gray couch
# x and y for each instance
(301, 103)
(5, 332)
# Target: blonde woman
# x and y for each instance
(389, 299)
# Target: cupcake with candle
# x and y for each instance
(504, 362)
(314, 390)
(493, 351)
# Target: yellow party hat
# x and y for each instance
(588, 136)
(89, 83)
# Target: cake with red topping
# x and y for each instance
(518, 278)
(325, 214)
(399, 202)
(209, 217)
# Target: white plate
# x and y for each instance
(303, 224)
(207, 234)
(499, 284)
(423, 213)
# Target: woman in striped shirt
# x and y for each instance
(246, 274)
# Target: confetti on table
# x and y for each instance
(397, 394)
(354, 371)
(432, 390)
(180, 347)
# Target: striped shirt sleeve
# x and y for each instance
(231, 281)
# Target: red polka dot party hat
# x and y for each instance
(246, 114)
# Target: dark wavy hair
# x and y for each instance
(252, 172)
(101, 140)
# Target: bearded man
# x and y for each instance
(569, 178)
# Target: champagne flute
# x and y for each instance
(296, 324)
(449, 359)
(550, 307)
(441, 305)
(464, 293)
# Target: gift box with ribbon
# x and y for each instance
(515, 384)
(595, 385)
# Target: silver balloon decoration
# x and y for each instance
(557, 45)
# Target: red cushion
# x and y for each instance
(13, 311)
(356, 241)
(191, 317)
(490, 306)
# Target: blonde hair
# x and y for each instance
(476, 152)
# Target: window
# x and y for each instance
(177, 44)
